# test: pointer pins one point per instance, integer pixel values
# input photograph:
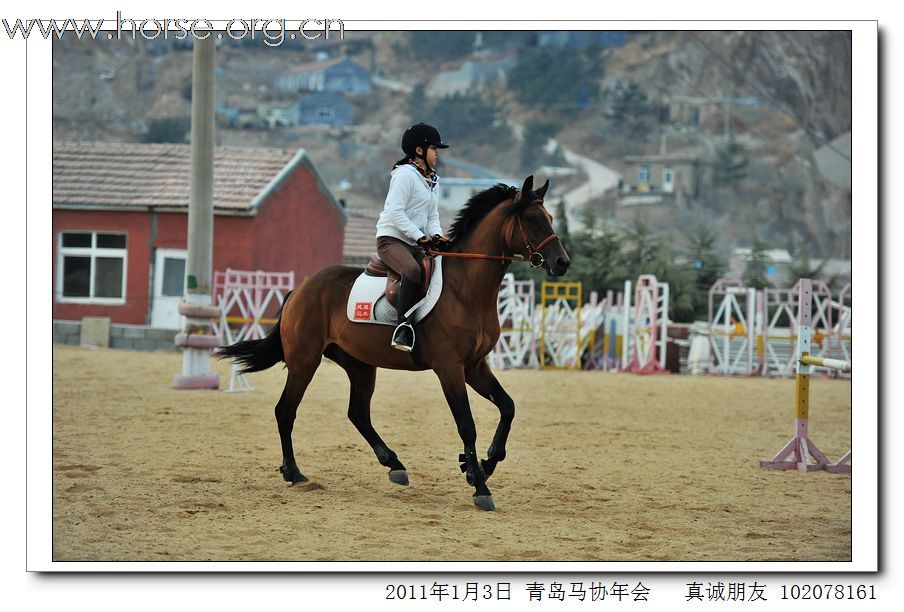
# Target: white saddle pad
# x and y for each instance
(367, 304)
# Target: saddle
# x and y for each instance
(377, 267)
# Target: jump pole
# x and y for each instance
(823, 362)
(800, 453)
(843, 465)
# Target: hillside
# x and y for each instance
(778, 96)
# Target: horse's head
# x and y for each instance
(531, 233)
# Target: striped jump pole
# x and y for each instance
(823, 362)
(843, 465)
(800, 453)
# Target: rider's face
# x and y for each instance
(432, 156)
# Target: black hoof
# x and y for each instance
(400, 477)
(484, 502)
(292, 475)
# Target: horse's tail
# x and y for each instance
(257, 355)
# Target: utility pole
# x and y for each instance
(196, 340)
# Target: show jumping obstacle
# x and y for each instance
(246, 302)
(649, 332)
(517, 345)
(606, 334)
(560, 325)
(732, 322)
(801, 453)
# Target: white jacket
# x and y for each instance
(411, 208)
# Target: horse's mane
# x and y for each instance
(477, 208)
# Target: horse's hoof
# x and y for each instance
(484, 502)
(487, 468)
(292, 476)
(400, 477)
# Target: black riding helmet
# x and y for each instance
(421, 135)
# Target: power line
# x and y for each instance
(762, 92)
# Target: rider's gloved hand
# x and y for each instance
(440, 243)
(424, 242)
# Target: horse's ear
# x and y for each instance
(528, 185)
(542, 190)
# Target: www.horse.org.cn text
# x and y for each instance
(271, 32)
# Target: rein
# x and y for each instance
(531, 249)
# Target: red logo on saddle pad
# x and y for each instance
(362, 310)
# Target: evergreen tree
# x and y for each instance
(598, 260)
(707, 265)
(442, 45)
(630, 109)
(466, 116)
(558, 78)
(416, 103)
(802, 267)
(757, 266)
(642, 247)
(730, 166)
(533, 145)
(168, 129)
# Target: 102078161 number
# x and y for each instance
(828, 591)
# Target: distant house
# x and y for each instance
(472, 74)
(120, 224)
(352, 43)
(455, 192)
(325, 109)
(339, 75)
(657, 184)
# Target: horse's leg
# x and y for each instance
(362, 378)
(453, 383)
(481, 379)
(296, 383)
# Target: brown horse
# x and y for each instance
(495, 227)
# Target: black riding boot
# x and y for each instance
(403, 336)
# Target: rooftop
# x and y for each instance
(158, 176)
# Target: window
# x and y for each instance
(91, 268)
(668, 180)
(173, 277)
(643, 175)
(325, 112)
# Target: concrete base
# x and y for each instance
(129, 337)
(95, 331)
(198, 341)
(204, 381)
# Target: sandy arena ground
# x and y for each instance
(600, 467)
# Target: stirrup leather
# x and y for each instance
(396, 344)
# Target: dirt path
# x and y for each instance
(600, 467)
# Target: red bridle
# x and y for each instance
(532, 251)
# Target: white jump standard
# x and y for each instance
(801, 453)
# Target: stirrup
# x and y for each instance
(399, 330)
